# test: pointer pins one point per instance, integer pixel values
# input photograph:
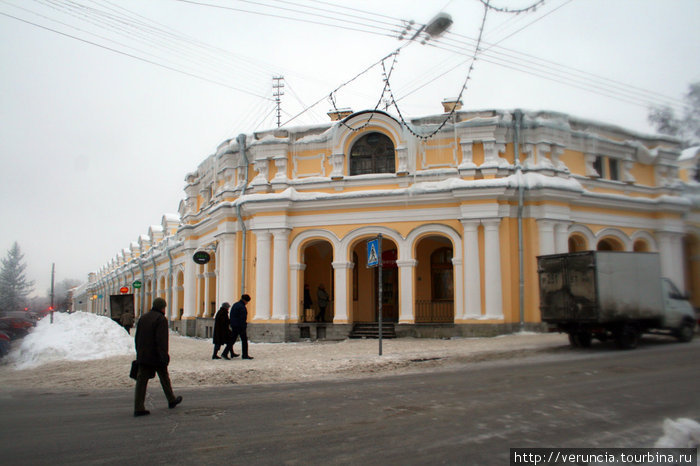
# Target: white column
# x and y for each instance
(296, 270)
(545, 230)
(679, 263)
(262, 275)
(667, 254)
(280, 272)
(175, 305)
(561, 237)
(492, 269)
(227, 269)
(406, 301)
(190, 304)
(472, 271)
(341, 291)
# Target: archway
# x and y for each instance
(577, 243)
(641, 245)
(434, 288)
(318, 282)
(610, 244)
(180, 290)
(210, 287)
(365, 284)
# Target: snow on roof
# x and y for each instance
(689, 153)
(530, 181)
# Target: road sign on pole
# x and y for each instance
(373, 252)
(374, 259)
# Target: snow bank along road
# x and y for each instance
(191, 364)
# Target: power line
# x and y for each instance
(136, 57)
(387, 32)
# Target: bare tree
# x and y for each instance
(687, 127)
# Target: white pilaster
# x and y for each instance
(545, 230)
(472, 271)
(561, 238)
(340, 315)
(280, 271)
(492, 269)
(226, 263)
(679, 263)
(262, 275)
(406, 280)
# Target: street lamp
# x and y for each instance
(435, 27)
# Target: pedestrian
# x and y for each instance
(152, 356)
(127, 321)
(239, 324)
(222, 333)
(307, 303)
(323, 298)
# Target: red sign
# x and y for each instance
(124, 289)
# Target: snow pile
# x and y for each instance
(681, 433)
(79, 336)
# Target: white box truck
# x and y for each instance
(606, 294)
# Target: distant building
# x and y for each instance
(280, 209)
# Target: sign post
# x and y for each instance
(374, 259)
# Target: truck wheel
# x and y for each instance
(574, 340)
(584, 339)
(685, 332)
(627, 337)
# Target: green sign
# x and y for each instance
(201, 257)
(137, 284)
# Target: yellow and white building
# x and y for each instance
(462, 214)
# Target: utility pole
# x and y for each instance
(53, 274)
(277, 85)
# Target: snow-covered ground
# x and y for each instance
(86, 351)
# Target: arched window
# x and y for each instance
(372, 153)
(441, 274)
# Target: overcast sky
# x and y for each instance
(106, 105)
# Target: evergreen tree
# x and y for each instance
(14, 286)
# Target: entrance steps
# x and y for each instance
(371, 330)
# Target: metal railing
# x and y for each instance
(434, 312)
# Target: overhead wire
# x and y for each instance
(136, 57)
(553, 71)
(289, 18)
(183, 53)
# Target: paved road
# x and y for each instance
(596, 398)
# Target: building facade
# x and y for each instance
(462, 215)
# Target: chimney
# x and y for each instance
(339, 114)
(450, 103)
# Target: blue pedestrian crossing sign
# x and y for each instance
(373, 252)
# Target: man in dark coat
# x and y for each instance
(239, 323)
(222, 333)
(152, 356)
